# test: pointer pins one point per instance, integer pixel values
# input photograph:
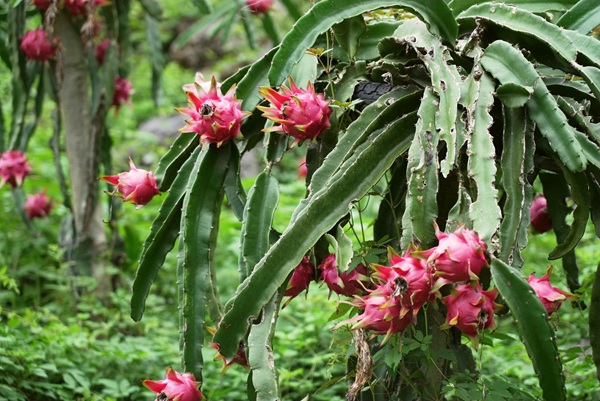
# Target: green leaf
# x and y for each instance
(256, 77)
(322, 212)
(169, 164)
(586, 46)
(445, 80)
(388, 223)
(422, 177)
(507, 64)
(536, 6)
(514, 95)
(484, 212)
(373, 35)
(343, 249)
(594, 320)
(263, 375)
(153, 8)
(200, 221)
(581, 196)
(157, 59)
(347, 34)
(203, 6)
(582, 17)
(524, 22)
(327, 13)
(516, 163)
(236, 195)
(535, 330)
(248, 28)
(163, 233)
(270, 28)
(263, 198)
(374, 117)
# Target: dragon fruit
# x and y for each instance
(217, 118)
(407, 282)
(301, 277)
(37, 45)
(301, 113)
(175, 387)
(471, 309)
(259, 6)
(551, 297)
(101, 50)
(78, 7)
(459, 256)
(42, 4)
(539, 216)
(38, 205)
(136, 185)
(13, 168)
(379, 316)
(122, 93)
(345, 283)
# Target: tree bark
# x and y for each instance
(82, 137)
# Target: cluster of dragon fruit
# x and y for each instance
(388, 296)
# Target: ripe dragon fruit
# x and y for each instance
(13, 168)
(136, 185)
(175, 387)
(259, 6)
(539, 216)
(217, 118)
(459, 256)
(301, 277)
(122, 93)
(301, 113)
(471, 309)
(78, 7)
(379, 315)
(38, 205)
(101, 50)
(42, 4)
(407, 282)
(36, 45)
(345, 283)
(551, 297)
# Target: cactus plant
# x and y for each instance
(480, 100)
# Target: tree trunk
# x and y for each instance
(82, 137)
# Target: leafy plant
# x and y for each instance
(486, 99)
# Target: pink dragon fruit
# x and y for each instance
(259, 6)
(136, 185)
(122, 93)
(217, 118)
(42, 4)
(175, 387)
(13, 168)
(345, 283)
(301, 277)
(78, 7)
(459, 256)
(300, 113)
(38, 205)
(471, 309)
(37, 45)
(101, 51)
(539, 216)
(407, 282)
(551, 297)
(379, 316)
